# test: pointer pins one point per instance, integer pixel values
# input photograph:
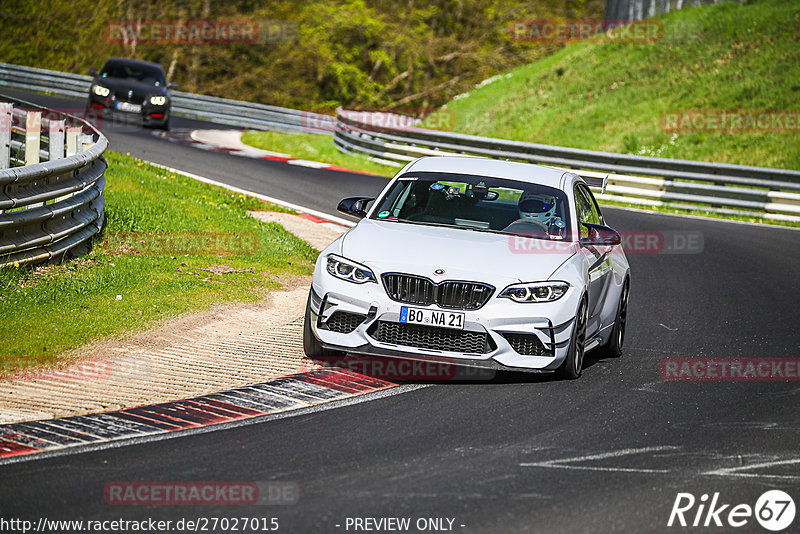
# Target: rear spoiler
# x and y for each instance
(596, 181)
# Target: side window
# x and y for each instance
(584, 210)
(595, 207)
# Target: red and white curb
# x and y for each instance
(229, 141)
(324, 222)
(285, 394)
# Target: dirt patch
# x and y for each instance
(318, 235)
(225, 269)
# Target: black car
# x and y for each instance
(132, 88)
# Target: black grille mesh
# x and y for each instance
(419, 290)
(432, 337)
(344, 322)
(526, 344)
(409, 289)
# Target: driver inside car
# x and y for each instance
(537, 214)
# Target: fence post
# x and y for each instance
(57, 135)
(72, 140)
(76, 143)
(56, 139)
(6, 111)
(33, 142)
(33, 131)
(84, 142)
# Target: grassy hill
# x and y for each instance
(613, 96)
(308, 54)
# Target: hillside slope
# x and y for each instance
(306, 54)
(614, 96)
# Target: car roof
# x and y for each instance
(129, 61)
(524, 172)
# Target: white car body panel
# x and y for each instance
(499, 260)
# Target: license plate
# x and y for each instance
(131, 108)
(432, 317)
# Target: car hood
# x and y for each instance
(121, 87)
(497, 259)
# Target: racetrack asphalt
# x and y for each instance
(608, 452)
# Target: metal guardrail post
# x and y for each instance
(72, 140)
(33, 141)
(57, 139)
(33, 132)
(84, 142)
(6, 114)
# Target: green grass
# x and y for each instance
(315, 147)
(611, 96)
(153, 255)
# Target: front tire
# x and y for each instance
(311, 345)
(573, 365)
(613, 349)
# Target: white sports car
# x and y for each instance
(475, 262)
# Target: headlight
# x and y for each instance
(348, 270)
(158, 100)
(535, 291)
(99, 90)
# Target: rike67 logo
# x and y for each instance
(774, 511)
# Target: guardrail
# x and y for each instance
(684, 184)
(52, 176)
(640, 180)
(220, 110)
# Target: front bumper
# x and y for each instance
(499, 319)
(149, 115)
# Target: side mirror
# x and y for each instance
(355, 206)
(600, 235)
(172, 85)
(92, 72)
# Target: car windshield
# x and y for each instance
(131, 71)
(478, 203)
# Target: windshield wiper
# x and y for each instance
(423, 223)
(479, 229)
(470, 228)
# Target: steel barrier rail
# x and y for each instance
(703, 186)
(56, 207)
(221, 110)
(697, 185)
(412, 141)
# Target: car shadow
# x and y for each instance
(402, 371)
